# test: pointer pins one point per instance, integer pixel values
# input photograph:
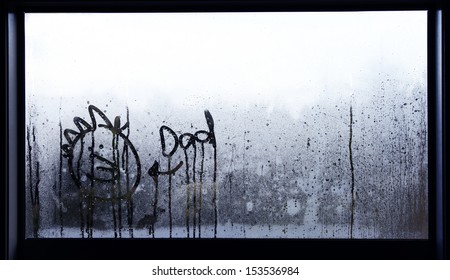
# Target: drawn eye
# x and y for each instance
(100, 146)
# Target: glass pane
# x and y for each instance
(227, 125)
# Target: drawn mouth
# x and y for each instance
(109, 171)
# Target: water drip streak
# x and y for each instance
(130, 216)
(113, 194)
(230, 174)
(169, 172)
(38, 180)
(60, 179)
(90, 210)
(119, 196)
(195, 189)
(36, 206)
(212, 141)
(352, 173)
(187, 192)
(170, 198)
(30, 165)
(230, 182)
(80, 157)
(215, 192)
(125, 165)
(202, 145)
(155, 205)
(34, 189)
(81, 216)
(81, 192)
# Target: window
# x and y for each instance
(250, 128)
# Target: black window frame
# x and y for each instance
(12, 194)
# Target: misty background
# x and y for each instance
(320, 120)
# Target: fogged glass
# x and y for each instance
(227, 125)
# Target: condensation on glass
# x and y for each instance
(227, 125)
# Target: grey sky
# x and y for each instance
(281, 60)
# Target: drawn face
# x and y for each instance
(102, 161)
(105, 166)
